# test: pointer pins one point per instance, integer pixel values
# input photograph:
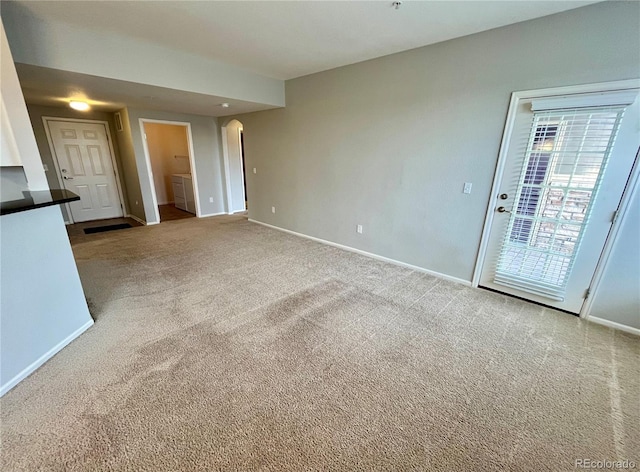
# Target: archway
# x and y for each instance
(233, 153)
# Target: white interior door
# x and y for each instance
(86, 165)
(566, 167)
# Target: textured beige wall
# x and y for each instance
(618, 298)
(129, 167)
(42, 306)
(55, 44)
(389, 143)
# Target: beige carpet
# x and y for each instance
(224, 345)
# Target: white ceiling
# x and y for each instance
(287, 39)
(280, 39)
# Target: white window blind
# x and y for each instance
(601, 99)
(563, 162)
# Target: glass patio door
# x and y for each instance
(567, 164)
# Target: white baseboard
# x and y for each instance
(601, 321)
(139, 220)
(369, 254)
(213, 214)
(44, 358)
(613, 324)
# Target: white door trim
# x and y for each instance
(516, 97)
(227, 167)
(225, 160)
(242, 170)
(56, 164)
(147, 158)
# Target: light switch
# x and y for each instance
(467, 187)
(254, 170)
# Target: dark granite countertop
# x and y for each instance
(38, 199)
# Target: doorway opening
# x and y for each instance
(171, 169)
(234, 166)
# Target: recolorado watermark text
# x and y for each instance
(605, 464)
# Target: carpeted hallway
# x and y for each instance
(220, 344)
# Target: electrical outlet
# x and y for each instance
(210, 199)
(136, 202)
(273, 209)
(255, 171)
(359, 229)
(467, 187)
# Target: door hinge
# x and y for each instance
(587, 292)
(614, 217)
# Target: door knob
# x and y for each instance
(503, 210)
(503, 196)
(67, 178)
(64, 171)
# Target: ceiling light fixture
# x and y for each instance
(80, 106)
(225, 105)
(396, 4)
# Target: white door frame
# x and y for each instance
(242, 169)
(56, 164)
(227, 174)
(631, 188)
(192, 164)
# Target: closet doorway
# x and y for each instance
(171, 169)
